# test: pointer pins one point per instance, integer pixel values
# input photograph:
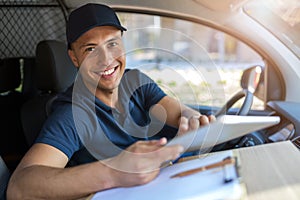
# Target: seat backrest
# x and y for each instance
(28, 85)
(10, 76)
(54, 69)
(54, 72)
(4, 178)
(12, 140)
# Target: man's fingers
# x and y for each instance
(170, 153)
(152, 156)
(211, 118)
(160, 142)
(193, 123)
(203, 119)
(183, 125)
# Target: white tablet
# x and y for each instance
(225, 128)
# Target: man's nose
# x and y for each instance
(105, 57)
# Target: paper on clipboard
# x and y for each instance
(225, 128)
(204, 185)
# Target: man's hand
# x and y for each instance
(193, 123)
(140, 163)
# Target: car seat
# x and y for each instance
(12, 140)
(54, 72)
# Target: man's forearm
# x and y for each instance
(42, 182)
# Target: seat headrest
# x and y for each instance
(54, 69)
(10, 75)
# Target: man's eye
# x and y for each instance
(113, 44)
(89, 49)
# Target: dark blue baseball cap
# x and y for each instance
(89, 16)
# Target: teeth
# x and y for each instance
(108, 72)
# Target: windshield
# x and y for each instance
(281, 17)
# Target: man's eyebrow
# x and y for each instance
(94, 44)
(87, 45)
(113, 39)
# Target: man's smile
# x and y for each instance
(107, 72)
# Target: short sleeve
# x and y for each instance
(59, 131)
(143, 86)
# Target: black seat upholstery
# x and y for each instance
(4, 178)
(54, 72)
(28, 83)
(12, 140)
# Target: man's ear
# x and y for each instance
(73, 58)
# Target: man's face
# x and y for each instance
(99, 53)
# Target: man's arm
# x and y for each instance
(179, 115)
(41, 173)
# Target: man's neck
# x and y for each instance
(109, 98)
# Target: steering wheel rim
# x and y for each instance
(246, 106)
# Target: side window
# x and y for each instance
(194, 63)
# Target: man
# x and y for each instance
(104, 121)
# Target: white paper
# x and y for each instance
(224, 129)
(203, 185)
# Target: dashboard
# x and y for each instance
(289, 127)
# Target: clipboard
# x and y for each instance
(238, 165)
(204, 185)
(225, 128)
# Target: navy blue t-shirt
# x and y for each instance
(84, 127)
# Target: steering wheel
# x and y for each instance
(246, 106)
(249, 82)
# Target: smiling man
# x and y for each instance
(112, 123)
(110, 54)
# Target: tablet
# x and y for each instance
(225, 128)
